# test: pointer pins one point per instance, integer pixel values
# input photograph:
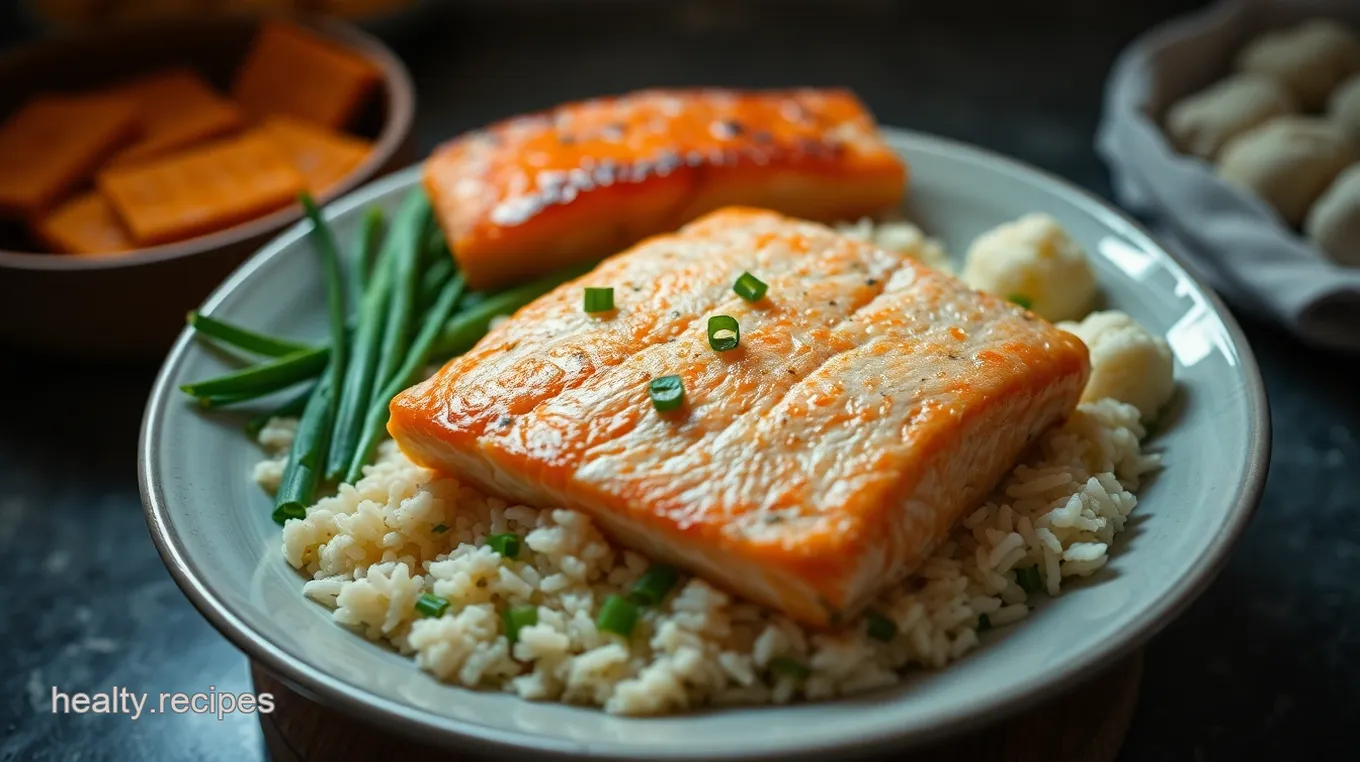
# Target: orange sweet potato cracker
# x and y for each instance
(85, 224)
(293, 71)
(177, 109)
(324, 157)
(55, 142)
(202, 189)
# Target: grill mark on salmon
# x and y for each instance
(540, 192)
(909, 396)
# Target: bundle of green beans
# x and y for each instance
(408, 307)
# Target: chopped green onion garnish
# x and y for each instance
(749, 287)
(599, 299)
(724, 333)
(432, 605)
(652, 586)
(668, 393)
(984, 623)
(1022, 300)
(506, 544)
(440, 528)
(879, 627)
(517, 618)
(1028, 579)
(617, 615)
(782, 665)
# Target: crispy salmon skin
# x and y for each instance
(870, 403)
(538, 193)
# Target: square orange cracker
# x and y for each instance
(293, 71)
(85, 224)
(324, 157)
(53, 143)
(177, 109)
(203, 189)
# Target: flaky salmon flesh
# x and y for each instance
(870, 403)
(539, 193)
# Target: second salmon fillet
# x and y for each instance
(870, 403)
(539, 193)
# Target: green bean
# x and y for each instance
(297, 489)
(222, 400)
(470, 325)
(292, 407)
(335, 310)
(295, 367)
(432, 281)
(242, 338)
(312, 441)
(335, 293)
(416, 358)
(405, 245)
(472, 299)
(361, 375)
(436, 245)
(459, 333)
(264, 378)
(365, 240)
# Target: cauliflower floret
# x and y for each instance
(1034, 262)
(1127, 363)
(901, 237)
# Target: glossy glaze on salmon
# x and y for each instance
(871, 402)
(538, 193)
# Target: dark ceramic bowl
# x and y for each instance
(134, 303)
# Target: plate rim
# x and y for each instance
(424, 725)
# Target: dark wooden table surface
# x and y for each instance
(1265, 666)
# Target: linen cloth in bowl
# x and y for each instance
(1226, 235)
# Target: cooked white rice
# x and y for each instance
(373, 549)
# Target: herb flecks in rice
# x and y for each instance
(372, 550)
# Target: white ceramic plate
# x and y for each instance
(212, 524)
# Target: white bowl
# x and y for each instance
(212, 524)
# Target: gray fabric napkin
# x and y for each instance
(1227, 236)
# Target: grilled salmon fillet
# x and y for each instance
(870, 403)
(538, 193)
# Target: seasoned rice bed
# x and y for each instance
(373, 549)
